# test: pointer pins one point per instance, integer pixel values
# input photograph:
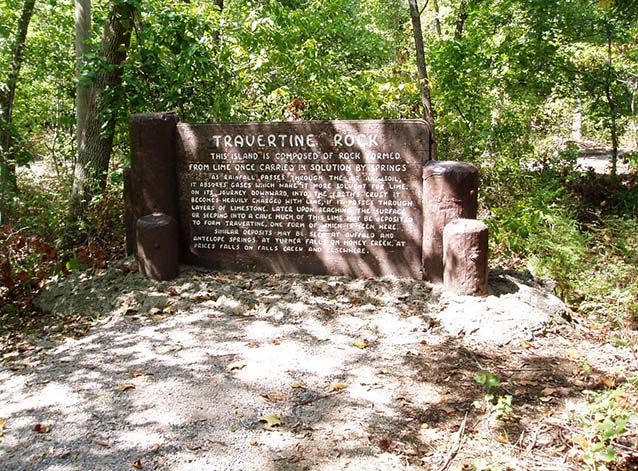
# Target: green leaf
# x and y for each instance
(608, 455)
(74, 264)
(486, 378)
(272, 420)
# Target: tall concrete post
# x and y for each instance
(152, 181)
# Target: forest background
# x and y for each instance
(517, 87)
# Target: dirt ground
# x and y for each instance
(232, 371)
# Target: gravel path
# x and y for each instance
(225, 371)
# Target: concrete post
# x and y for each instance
(465, 245)
(158, 246)
(152, 184)
(450, 191)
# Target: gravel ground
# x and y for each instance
(227, 371)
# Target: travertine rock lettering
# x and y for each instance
(325, 197)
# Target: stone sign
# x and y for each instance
(339, 197)
(318, 197)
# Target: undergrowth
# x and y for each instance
(580, 230)
(39, 240)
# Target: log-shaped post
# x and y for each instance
(151, 186)
(450, 191)
(157, 246)
(465, 245)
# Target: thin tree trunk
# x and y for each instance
(7, 97)
(460, 20)
(633, 117)
(82, 35)
(611, 103)
(437, 21)
(91, 168)
(424, 82)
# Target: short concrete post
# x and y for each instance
(450, 191)
(465, 245)
(157, 246)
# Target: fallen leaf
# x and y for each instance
(154, 310)
(525, 344)
(338, 386)
(583, 442)
(448, 409)
(276, 342)
(252, 344)
(41, 428)
(137, 374)
(578, 383)
(361, 343)
(236, 365)
(557, 392)
(297, 385)
(155, 448)
(102, 443)
(273, 397)
(502, 438)
(173, 292)
(126, 386)
(574, 354)
(423, 342)
(607, 381)
(137, 464)
(168, 310)
(2, 422)
(272, 420)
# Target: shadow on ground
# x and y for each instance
(184, 375)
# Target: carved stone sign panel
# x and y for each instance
(338, 197)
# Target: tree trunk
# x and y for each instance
(460, 20)
(7, 96)
(92, 165)
(634, 128)
(424, 82)
(437, 21)
(611, 103)
(82, 35)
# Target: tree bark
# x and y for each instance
(91, 168)
(460, 20)
(82, 35)
(7, 96)
(437, 21)
(424, 82)
(611, 103)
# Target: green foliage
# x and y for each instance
(500, 405)
(487, 379)
(605, 418)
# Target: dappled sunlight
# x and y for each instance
(354, 374)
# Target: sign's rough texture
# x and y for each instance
(337, 197)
